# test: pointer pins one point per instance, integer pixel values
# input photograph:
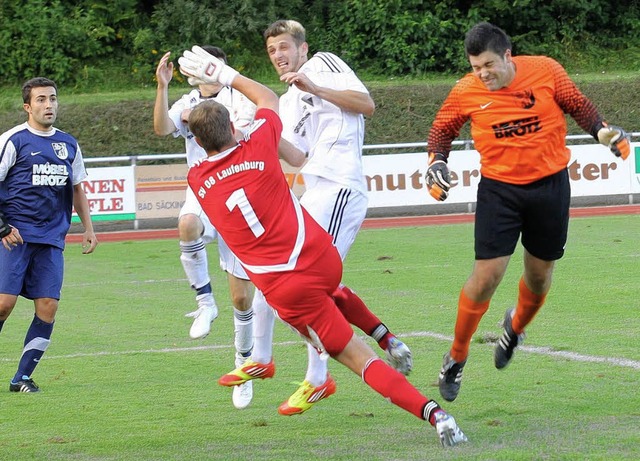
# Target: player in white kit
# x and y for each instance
(323, 118)
(195, 229)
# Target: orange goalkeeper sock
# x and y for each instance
(469, 315)
(529, 303)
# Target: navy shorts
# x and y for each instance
(539, 212)
(32, 270)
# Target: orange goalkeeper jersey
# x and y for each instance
(518, 130)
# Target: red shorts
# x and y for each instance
(304, 301)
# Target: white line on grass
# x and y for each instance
(573, 356)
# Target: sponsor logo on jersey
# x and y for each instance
(36, 153)
(60, 148)
(521, 127)
(49, 175)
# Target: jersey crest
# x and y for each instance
(526, 99)
(60, 148)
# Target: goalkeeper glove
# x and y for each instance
(5, 228)
(438, 177)
(201, 68)
(616, 139)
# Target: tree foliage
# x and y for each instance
(88, 42)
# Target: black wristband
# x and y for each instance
(597, 127)
(5, 228)
(437, 156)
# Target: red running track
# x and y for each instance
(371, 223)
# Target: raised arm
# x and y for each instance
(202, 68)
(257, 93)
(162, 123)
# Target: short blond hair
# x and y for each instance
(286, 26)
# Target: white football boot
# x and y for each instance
(242, 393)
(203, 316)
(448, 431)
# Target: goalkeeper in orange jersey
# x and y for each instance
(516, 105)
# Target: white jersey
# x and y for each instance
(332, 137)
(241, 110)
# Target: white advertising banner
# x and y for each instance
(398, 180)
(111, 193)
(394, 180)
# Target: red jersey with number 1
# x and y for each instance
(245, 194)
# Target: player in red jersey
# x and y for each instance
(516, 105)
(286, 254)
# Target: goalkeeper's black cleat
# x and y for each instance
(24, 385)
(450, 377)
(507, 342)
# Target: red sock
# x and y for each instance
(529, 303)
(469, 315)
(393, 386)
(357, 313)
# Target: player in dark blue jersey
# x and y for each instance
(41, 170)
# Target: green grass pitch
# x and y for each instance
(122, 381)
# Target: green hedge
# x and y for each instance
(117, 43)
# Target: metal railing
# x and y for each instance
(461, 144)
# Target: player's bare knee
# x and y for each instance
(189, 227)
(241, 301)
(5, 311)
(46, 309)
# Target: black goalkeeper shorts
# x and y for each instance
(538, 211)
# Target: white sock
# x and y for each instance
(193, 256)
(317, 368)
(243, 329)
(263, 323)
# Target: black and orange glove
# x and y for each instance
(616, 139)
(438, 176)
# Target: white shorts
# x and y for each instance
(228, 261)
(338, 209)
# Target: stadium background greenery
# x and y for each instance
(103, 55)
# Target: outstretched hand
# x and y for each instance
(201, 68)
(164, 71)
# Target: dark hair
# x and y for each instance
(486, 37)
(215, 51)
(37, 82)
(210, 122)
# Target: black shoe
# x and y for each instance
(24, 385)
(450, 377)
(507, 343)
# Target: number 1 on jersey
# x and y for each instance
(239, 199)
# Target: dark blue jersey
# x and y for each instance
(37, 173)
